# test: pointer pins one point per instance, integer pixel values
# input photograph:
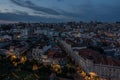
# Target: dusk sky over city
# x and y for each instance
(59, 39)
(59, 10)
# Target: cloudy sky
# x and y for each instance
(59, 10)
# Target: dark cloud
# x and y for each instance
(37, 9)
(29, 4)
(26, 18)
(85, 10)
(89, 11)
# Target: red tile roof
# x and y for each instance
(51, 53)
(98, 58)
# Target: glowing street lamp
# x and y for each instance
(18, 36)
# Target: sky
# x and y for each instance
(59, 10)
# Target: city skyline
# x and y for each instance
(59, 10)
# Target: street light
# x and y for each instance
(18, 36)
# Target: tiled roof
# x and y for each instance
(98, 58)
(51, 53)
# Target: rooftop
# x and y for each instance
(98, 58)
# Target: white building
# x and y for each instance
(6, 37)
(103, 71)
(24, 33)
